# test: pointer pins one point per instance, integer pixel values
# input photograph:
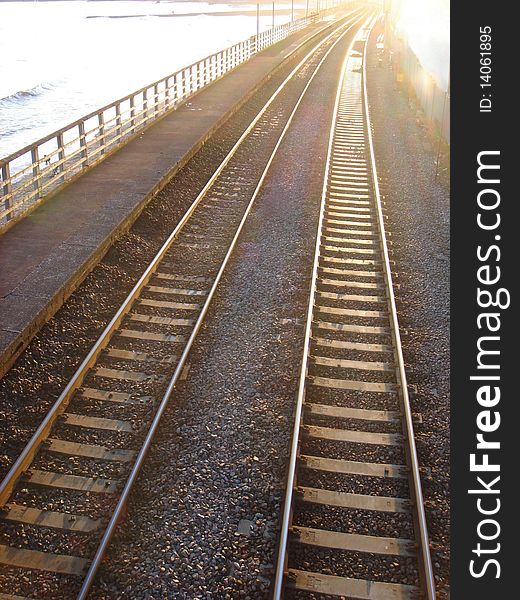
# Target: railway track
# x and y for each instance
(62, 499)
(353, 522)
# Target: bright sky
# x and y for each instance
(426, 23)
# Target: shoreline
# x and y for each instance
(231, 13)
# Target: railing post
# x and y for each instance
(61, 155)
(35, 158)
(82, 142)
(101, 131)
(119, 130)
(175, 88)
(257, 22)
(132, 112)
(184, 83)
(167, 99)
(181, 84)
(6, 190)
(145, 105)
(156, 99)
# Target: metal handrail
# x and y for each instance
(32, 173)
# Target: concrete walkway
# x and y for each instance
(45, 256)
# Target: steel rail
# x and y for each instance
(425, 558)
(293, 458)
(30, 450)
(425, 566)
(109, 532)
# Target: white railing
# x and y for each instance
(32, 173)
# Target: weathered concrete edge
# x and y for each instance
(9, 354)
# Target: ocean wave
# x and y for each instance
(32, 92)
(8, 130)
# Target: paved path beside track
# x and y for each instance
(45, 256)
